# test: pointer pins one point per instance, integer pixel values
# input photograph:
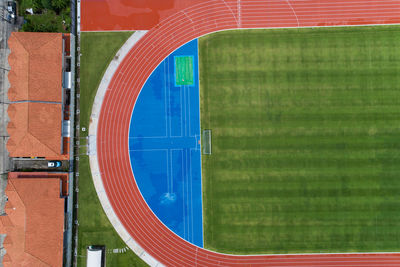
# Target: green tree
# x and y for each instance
(58, 5)
(46, 22)
(46, 4)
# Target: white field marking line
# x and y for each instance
(183, 108)
(185, 111)
(239, 11)
(149, 149)
(195, 257)
(146, 233)
(187, 191)
(199, 145)
(171, 169)
(151, 137)
(165, 100)
(180, 93)
(180, 104)
(168, 19)
(233, 14)
(139, 77)
(352, 3)
(166, 120)
(160, 137)
(169, 177)
(189, 18)
(168, 171)
(294, 12)
(186, 196)
(258, 13)
(183, 197)
(191, 190)
(169, 101)
(317, 10)
(180, 100)
(206, 10)
(189, 110)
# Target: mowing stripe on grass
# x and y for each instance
(305, 136)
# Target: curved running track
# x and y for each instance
(113, 127)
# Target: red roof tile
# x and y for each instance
(35, 226)
(36, 66)
(61, 176)
(36, 75)
(35, 130)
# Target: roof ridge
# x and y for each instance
(29, 132)
(37, 139)
(11, 120)
(16, 191)
(39, 259)
(48, 41)
(19, 41)
(25, 225)
(13, 54)
(29, 79)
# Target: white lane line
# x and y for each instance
(294, 12)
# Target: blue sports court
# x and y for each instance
(164, 143)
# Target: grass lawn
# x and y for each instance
(94, 227)
(97, 49)
(305, 140)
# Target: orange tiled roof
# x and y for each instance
(36, 66)
(61, 176)
(34, 223)
(34, 129)
(36, 75)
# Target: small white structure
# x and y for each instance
(95, 256)
(67, 79)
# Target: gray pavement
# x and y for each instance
(5, 30)
(17, 164)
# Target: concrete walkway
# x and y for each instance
(94, 164)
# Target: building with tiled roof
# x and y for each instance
(36, 66)
(35, 129)
(34, 222)
(37, 98)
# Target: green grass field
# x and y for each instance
(305, 140)
(97, 49)
(184, 74)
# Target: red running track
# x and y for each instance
(113, 128)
